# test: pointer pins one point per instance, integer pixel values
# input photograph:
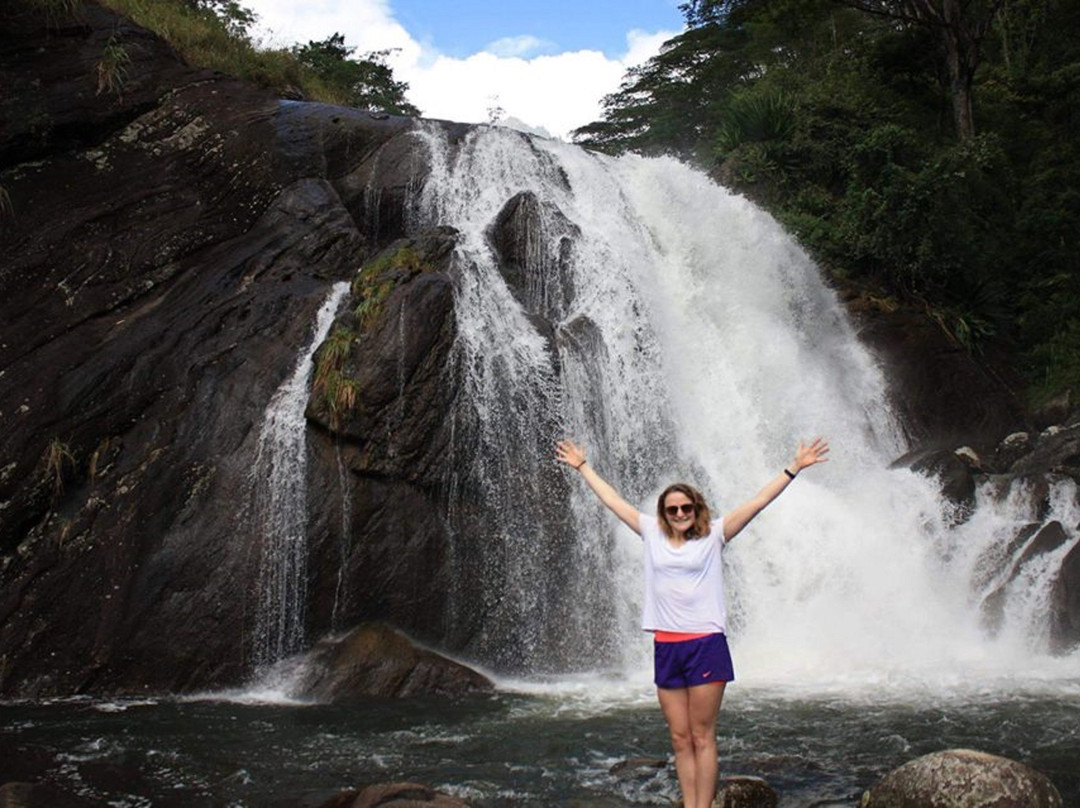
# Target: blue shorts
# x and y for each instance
(692, 662)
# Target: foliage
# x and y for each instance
(216, 34)
(376, 280)
(339, 393)
(843, 123)
(112, 67)
(367, 82)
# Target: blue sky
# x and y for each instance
(547, 65)
(462, 28)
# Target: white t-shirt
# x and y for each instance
(684, 586)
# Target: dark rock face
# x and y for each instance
(373, 660)
(534, 242)
(167, 249)
(962, 778)
(942, 394)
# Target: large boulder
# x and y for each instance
(373, 660)
(962, 778)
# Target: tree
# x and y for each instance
(236, 19)
(959, 26)
(366, 82)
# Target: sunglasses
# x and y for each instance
(675, 510)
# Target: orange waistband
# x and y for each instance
(677, 636)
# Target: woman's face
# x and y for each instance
(679, 511)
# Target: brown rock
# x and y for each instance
(373, 660)
(744, 792)
(962, 778)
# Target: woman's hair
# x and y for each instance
(702, 521)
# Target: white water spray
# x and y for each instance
(700, 343)
(279, 480)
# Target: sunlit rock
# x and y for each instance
(962, 778)
(744, 792)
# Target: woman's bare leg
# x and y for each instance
(675, 704)
(704, 706)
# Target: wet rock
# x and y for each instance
(1036, 540)
(970, 457)
(174, 242)
(394, 795)
(534, 242)
(373, 660)
(1051, 536)
(952, 473)
(1012, 448)
(941, 392)
(1065, 604)
(744, 792)
(1058, 452)
(962, 778)
(388, 351)
(36, 795)
(638, 768)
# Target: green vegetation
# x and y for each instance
(216, 34)
(368, 82)
(339, 392)
(930, 156)
(374, 282)
(112, 68)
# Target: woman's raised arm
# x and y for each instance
(804, 456)
(573, 455)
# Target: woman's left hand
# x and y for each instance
(812, 454)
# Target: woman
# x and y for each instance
(684, 605)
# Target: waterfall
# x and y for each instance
(279, 485)
(678, 332)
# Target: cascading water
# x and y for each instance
(279, 481)
(681, 334)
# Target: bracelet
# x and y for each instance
(789, 474)
(579, 465)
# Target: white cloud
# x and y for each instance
(511, 46)
(556, 91)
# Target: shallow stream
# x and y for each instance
(527, 744)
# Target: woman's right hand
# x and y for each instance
(570, 453)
